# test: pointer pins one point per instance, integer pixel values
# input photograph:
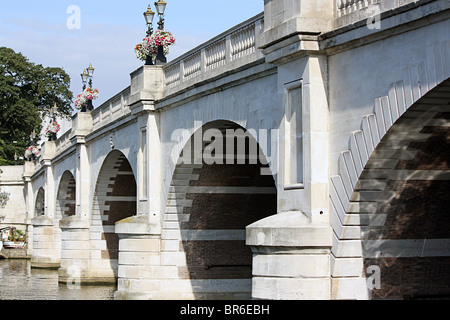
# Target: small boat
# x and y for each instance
(11, 238)
(13, 245)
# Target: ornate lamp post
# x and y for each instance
(91, 74)
(32, 137)
(16, 157)
(54, 127)
(53, 111)
(161, 8)
(86, 77)
(157, 41)
(32, 152)
(149, 15)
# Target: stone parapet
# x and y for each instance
(147, 84)
(48, 150)
(284, 19)
(82, 124)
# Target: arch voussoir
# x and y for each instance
(362, 192)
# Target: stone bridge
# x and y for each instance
(302, 154)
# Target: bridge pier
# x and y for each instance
(140, 271)
(291, 258)
(78, 261)
(46, 245)
(74, 250)
(292, 250)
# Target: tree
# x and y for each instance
(27, 92)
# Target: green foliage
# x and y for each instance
(27, 92)
(17, 235)
(20, 235)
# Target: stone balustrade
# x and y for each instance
(222, 53)
(111, 110)
(347, 6)
(107, 113)
(351, 11)
(63, 142)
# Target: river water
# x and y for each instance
(18, 281)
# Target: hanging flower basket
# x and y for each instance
(84, 97)
(52, 130)
(32, 153)
(149, 45)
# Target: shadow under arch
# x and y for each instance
(66, 196)
(216, 192)
(114, 200)
(401, 200)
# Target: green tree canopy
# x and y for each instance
(27, 93)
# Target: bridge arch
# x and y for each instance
(39, 205)
(390, 200)
(221, 184)
(66, 196)
(114, 199)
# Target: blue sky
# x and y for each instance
(108, 33)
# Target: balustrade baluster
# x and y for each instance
(234, 45)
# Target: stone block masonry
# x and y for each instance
(351, 119)
(204, 233)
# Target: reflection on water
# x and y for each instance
(19, 282)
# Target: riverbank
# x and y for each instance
(14, 254)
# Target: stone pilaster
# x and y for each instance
(27, 174)
(48, 153)
(82, 125)
(147, 86)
